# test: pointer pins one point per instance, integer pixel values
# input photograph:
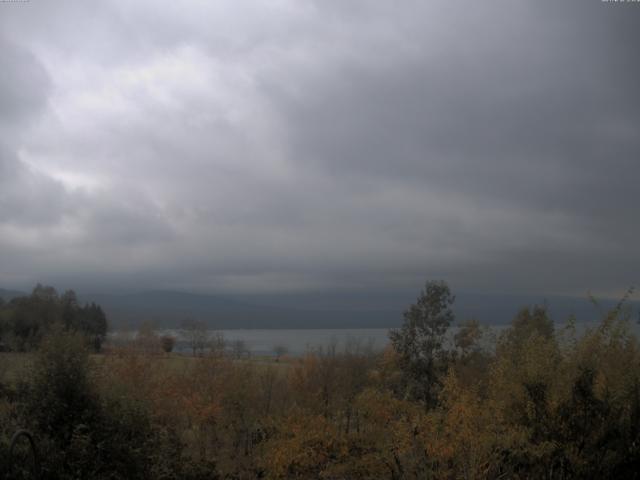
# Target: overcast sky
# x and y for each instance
(284, 145)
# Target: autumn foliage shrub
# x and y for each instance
(534, 401)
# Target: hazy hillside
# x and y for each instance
(9, 294)
(323, 310)
(317, 310)
(169, 308)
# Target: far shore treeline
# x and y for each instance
(26, 320)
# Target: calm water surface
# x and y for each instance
(300, 341)
(297, 342)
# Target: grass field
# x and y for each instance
(15, 366)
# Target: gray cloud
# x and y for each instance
(23, 85)
(313, 145)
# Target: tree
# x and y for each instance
(196, 334)
(84, 431)
(280, 350)
(93, 323)
(70, 307)
(239, 349)
(467, 337)
(27, 319)
(529, 322)
(44, 292)
(533, 320)
(59, 396)
(218, 344)
(167, 342)
(419, 342)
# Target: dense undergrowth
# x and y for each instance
(535, 403)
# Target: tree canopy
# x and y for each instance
(419, 342)
(24, 321)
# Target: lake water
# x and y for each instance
(300, 341)
(295, 341)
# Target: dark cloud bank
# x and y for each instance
(320, 146)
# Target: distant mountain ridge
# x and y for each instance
(323, 310)
(9, 294)
(318, 310)
(169, 308)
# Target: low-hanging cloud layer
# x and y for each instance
(291, 145)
